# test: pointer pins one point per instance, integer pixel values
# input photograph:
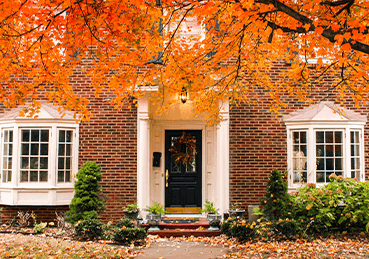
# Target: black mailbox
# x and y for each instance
(156, 159)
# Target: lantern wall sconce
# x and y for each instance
(183, 95)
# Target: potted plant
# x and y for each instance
(212, 216)
(131, 211)
(236, 211)
(154, 216)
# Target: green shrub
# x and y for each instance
(287, 228)
(89, 229)
(86, 203)
(124, 222)
(277, 200)
(239, 228)
(341, 204)
(129, 235)
(156, 208)
(226, 226)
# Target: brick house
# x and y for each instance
(233, 160)
(40, 156)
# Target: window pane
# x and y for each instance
(296, 137)
(10, 136)
(328, 137)
(25, 135)
(44, 149)
(5, 163)
(62, 136)
(338, 165)
(67, 176)
(10, 149)
(338, 137)
(357, 163)
(320, 151)
(68, 163)
(68, 150)
(60, 176)
(357, 137)
(61, 151)
(296, 150)
(6, 149)
(44, 162)
(43, 176)
(4, 176)
(320, 137)
(35, 135)
(6, 136)
(338, 150)
(33, 176)
(329, 164)
(329, 150)
(61, 163)
(25, 149)
(44, 135)
(320, 177)
(69, 136)
(24, 163)
(10, 163)
(357, 150)
(302, 137)
(304, 150)
(352, 150)
(9, 176)
(34, 149)
(353, 163)
(34, 163)
(24, 176)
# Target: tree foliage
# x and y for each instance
(121, 46)
(86, 202)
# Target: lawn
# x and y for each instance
(41, 246)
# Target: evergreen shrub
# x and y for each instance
(86, 203)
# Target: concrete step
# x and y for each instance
(184, 232)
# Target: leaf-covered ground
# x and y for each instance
(31, 246)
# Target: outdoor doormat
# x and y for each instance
(180, 220)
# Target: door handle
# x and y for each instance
(166, 178)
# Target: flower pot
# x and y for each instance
(153, 220)
(237, 213)
(131, 215)
(214, 221)
(252, 217)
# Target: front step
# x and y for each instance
(197, 229)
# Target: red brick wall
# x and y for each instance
(43, 213)
(258, 144)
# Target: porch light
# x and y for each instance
(183, 95)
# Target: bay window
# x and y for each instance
(324, 139)
(38, 158)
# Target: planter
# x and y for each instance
(237, 213)
(252, 218)
(214, 221)
(132, 215)
(153, 220)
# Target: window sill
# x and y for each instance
(21, 195)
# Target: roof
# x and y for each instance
(47, 111)
(325, 111)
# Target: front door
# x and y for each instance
(183, 176)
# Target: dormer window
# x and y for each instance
(321, 140)
(38, 158)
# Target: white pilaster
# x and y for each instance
(222, 184)
(143, 158)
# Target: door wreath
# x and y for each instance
(190, 148)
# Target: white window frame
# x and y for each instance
(39, 193)
(311, 128)
(2, 157)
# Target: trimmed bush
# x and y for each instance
(89, 229)
(239, 228)
(226, 226)
(129, 235)
(86, 203)
(342, 204)
(124, 223)
(277, 200)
